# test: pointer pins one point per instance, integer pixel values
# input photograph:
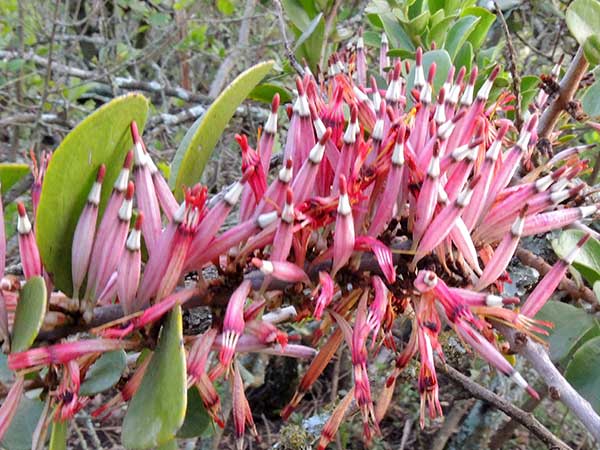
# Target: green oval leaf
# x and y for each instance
(19, 433)
(29, 315)
(200, 140)
(438, 32)
(102, 137)
(464, 57)
(312, 26)
(10, 174)
(583, 372)
(589, 101)
(583, 17)
(486, 20)
(588, 259)
(564, 337)
(157, 409)
(459, 33)
(591, 50)
(197, 419)
(264, 92)
(58, 437)
(395, 33)
(104, 373)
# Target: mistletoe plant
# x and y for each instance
(394, 201)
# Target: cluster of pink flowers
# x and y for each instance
(367, 169)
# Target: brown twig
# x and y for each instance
(567, 285)
(512, 66)
(451, 423)
(568, 87)
(288, 49)
(537, 355)
(524, 418)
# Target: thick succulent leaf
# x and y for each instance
(264, 93)
(565, 338)
(19, 433)
(102, 137)
(589, 101)
(312, 26)
(588, 259)
(465, 56)
(197, 419)
(439, 31)
(30, 313)
(157, 409)
(583, 17)
(58, 437)
(395, 33)
(10, 174)
(583, 372)
(104, 373)
(459, 33)
(199, 142)
(486, 20)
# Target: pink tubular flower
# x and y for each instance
(267, 138)
(233, 323)
(10, 404)
(108, 253)
(165, 265)
(282, 270)
(343, 244)
(129, 269)
(30, 255)
(61, 353)
(146, 197)
(325, 297)
(241, 409)
(83, 239)
(551, 280)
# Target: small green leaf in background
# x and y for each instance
(157, 410)
(29, 315)
(583, 17)
(486, 20)
(197, 419)
(58, 437)
(200, 140)
(102, 137)
(583, 372)
(104, 373)
(459, 33)
(225, 7)
(565, 337)
(529, 89)
(417, 25)
(395, 33)
(588, 259)
(589, 101)
(10, 174)
(591, 50)
(312, 26)
(264, 92)
(19, 433)
(439, 31)
(464, 57)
